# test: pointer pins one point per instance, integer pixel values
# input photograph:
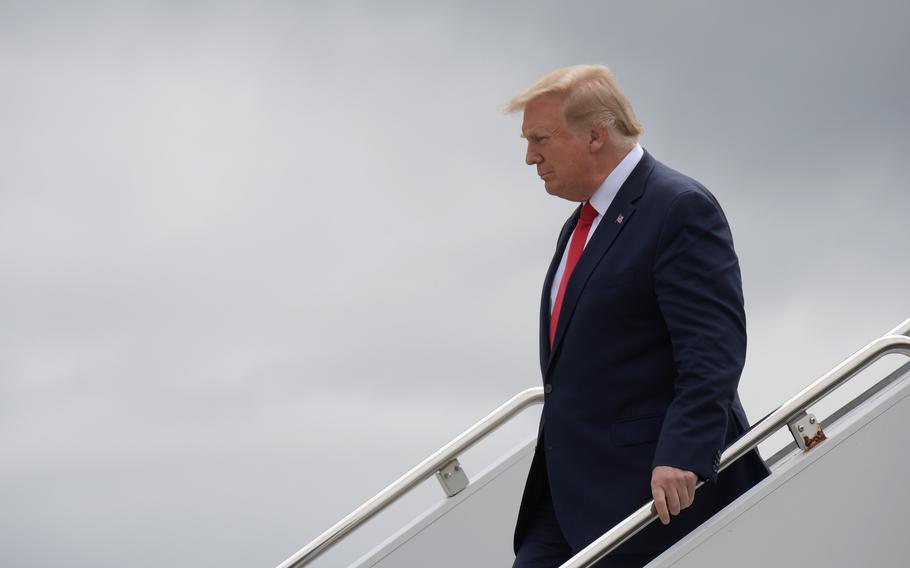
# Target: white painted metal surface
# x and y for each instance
(842, 504)
(425, 469)
(473, 528)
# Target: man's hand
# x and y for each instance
(673, 490)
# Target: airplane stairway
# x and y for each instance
(836, 495)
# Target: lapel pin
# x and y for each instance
(619, 219)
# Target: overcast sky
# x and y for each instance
(257, 260)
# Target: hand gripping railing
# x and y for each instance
(894, 342)
(418, 474)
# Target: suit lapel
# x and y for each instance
(617, 216)
(561, 245)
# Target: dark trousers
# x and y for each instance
(544, 546)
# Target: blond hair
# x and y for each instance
(591, 98)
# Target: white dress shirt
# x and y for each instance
(601, 201)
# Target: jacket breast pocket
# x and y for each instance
(636, 430)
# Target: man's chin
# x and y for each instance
(557, 191)
(561, 192)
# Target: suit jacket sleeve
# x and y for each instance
(699, 291)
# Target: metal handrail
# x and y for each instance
(902, 329)
(895, 342)
(415, 476)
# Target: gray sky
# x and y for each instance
(258, 260)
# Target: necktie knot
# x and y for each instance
(588, 213)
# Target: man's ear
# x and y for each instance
(597, 138)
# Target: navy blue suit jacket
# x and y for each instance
(649, 347)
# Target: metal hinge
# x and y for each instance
(452, 478)
(807, 431)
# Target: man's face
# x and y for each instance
(563, 157)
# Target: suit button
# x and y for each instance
(547, 388)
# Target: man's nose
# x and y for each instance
(532, 157)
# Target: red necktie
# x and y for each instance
(588, 213)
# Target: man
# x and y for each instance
(642, 335)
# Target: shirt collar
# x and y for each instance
(607, 191)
